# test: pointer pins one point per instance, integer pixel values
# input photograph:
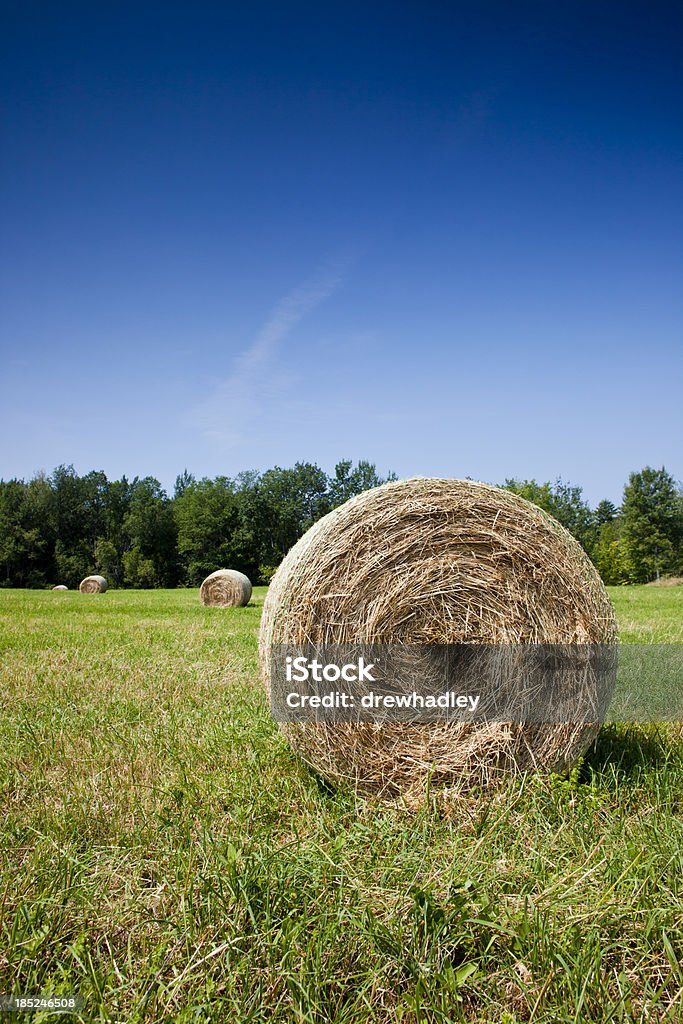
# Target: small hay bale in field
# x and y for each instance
(60, 586)
(431, 561)
(225, 588)
(93, 585)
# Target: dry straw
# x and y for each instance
(444, 562)
(225, 588)
(93, 585)
(60, 586)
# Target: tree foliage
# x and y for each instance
(635, 544)
(64, 527)
(561, 500)
(652, 525)
(609, 553)
(60, 528)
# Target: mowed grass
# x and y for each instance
(167, 857)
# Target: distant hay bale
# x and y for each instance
(432, 561)
(93, 585)
(225, 588)
(60, 586)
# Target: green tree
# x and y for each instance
(150, 559)
(605, 512)
(286, 503)
(182, 482)
(94, 488)
(349, 481)
(82, 520)
(74, 554)
(207, 517)
(563, 501)
(26, 533)
(109, 561)
(609, 555)
(653, 525)
(139, 572)
(115, 541)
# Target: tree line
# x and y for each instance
(637, 542)
(62, 527)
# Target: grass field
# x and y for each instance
(164, 855)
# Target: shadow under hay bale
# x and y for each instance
(93, 585)
(628, 749)
(436, 562)
(225, 588)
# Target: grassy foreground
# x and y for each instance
(164, 855)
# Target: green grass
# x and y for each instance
(649, 614)
(166, 856)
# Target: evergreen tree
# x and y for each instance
(606, 512)
(653, 525)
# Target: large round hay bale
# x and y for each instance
(60, 586)
(431, 561)
(225, 588)
(93, 585)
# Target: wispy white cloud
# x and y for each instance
(258, 377)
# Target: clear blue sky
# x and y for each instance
(443, 237)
